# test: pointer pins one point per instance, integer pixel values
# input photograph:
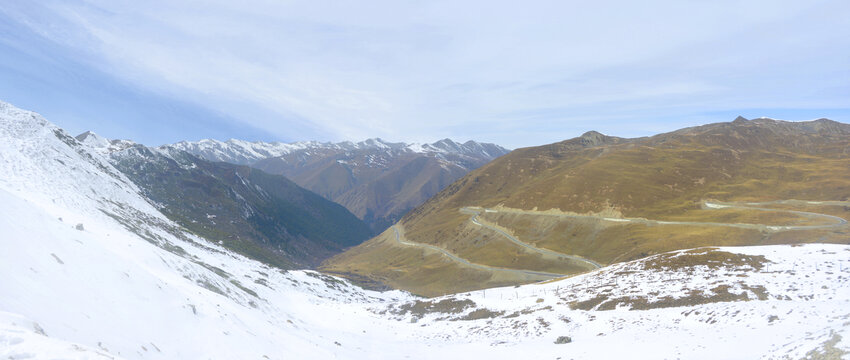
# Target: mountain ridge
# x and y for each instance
(376, 180)
(248, 152)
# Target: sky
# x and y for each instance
(513, 73)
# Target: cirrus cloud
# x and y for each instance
(516, 74)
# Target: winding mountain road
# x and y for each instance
(513, 239)
(836, 221)
(528, 273)
(474, 213)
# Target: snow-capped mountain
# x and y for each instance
(247, 153)
(91, 270)
(376, 180)
(102, 144)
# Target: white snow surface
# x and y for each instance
(133, 285)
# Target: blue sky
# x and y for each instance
(518, 74)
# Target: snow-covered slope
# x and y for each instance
(246, 153)
(89, 263)
(44, 164)
(128, 283)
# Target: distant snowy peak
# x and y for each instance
(102, 144)
(93, 140)
(239, 151)
(469, 148)
(246, 153)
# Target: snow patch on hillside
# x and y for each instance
(747, 302)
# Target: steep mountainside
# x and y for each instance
(263, 216)
(571, 206)
(376, 180)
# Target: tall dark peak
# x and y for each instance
(740, 119)
(592, 138)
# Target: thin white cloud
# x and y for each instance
(412, 70)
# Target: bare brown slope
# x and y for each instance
(378, 186)
(664, 177)
(384, 200)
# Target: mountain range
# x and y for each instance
(93, 269)
(263, 216)
(582, 203)
(377, 181)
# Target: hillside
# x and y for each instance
(600, 199)
(377, 181)
(263, 216)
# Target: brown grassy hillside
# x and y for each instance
(667, 177)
